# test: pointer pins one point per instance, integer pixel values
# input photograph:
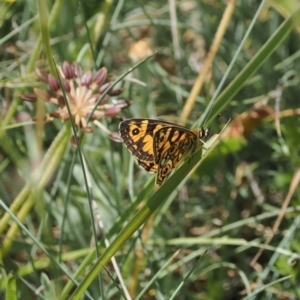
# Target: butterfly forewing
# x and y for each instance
(148, 165)
(137, 134)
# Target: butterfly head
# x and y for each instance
(204, 133)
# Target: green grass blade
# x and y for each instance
(11, 288)
(257, 61)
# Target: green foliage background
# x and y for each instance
(196, 236)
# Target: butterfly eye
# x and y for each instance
(207, 132)
(204, 132)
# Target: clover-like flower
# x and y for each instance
(81, 91)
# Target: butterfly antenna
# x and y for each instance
(207, 115)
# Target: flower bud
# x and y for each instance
(100, 76)
(68, 70)
(53, 83)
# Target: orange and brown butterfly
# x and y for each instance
(159, 146)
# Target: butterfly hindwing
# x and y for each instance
(169, 136)
(171, 145)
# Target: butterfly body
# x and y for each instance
(160, 146)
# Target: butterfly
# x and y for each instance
(159, 146)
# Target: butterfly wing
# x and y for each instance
(137, 135)
(169, 136)
(171, 145)
(149, 166)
